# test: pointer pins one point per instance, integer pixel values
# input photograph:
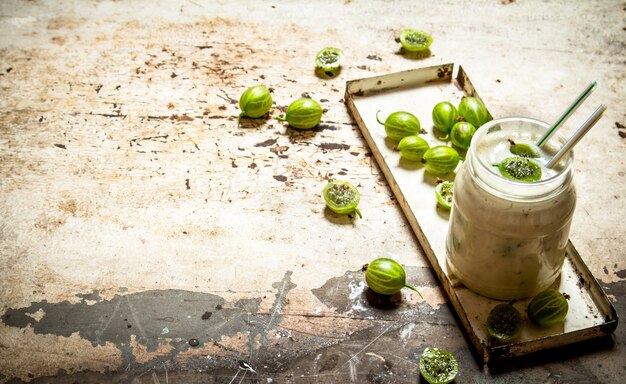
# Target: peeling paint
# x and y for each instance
(141, 354)
(21, 347)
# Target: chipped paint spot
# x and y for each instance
(37, 316)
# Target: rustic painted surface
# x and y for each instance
(137, 213)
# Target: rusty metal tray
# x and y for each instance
(591, 313)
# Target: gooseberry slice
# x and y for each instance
(414, 40)
(524, 149)
(342, 197)
(504, 323)
(444, 191)
(329, 60)
(520, 168)
(438, 366)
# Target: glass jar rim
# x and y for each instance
(485, 129)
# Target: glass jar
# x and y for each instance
(507, 238)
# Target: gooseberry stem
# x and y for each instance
(377, 119)
(358, 213)
(413, 288)
(281, 118)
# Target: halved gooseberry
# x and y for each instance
(444, 191)
(520, 168)
(328, 61)
(504, 323)
(342, 197)
(524, 149)
(414, 40)
(438, 366)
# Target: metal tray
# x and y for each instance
(591, 314)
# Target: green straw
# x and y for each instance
(567, 114)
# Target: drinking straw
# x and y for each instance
(590, 122)
(567, 113)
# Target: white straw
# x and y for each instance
(590, 122)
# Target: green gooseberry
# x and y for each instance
(474, 111)
(412, 147)
(386, 276)
(441, 160)
(255, 102)
(461, 134)
(304, 113)
(400, 124)
(548, 308)
(444, 116)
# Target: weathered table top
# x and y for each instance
(139, 217)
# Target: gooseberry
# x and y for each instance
(304, 113)
(255, 102)
(386, 276)
(400, 124)
(474, 111)
(444, 116)
(461, 134)
(548, 308)
(441, 160)
(412, 147)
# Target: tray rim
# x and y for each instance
(489, 353)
